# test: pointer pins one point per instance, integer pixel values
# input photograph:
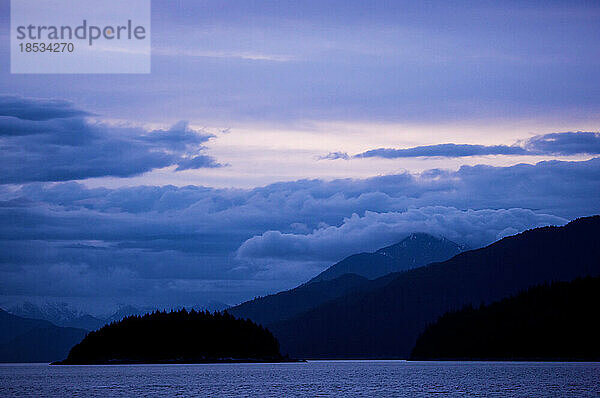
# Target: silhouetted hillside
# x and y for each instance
(557, 322)
(414, 251)
(176, 337)
(386, 322)
(34, 340)
(287, 304)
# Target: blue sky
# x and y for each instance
(273, 138)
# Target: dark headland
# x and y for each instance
(177, 337)
(551, 322)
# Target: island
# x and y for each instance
(177, 337)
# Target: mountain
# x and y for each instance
(177, 337)
(549, 322)
(385, 322)
(34, 340)
(287, 304)
(354, 274)
(416, 250)
(60, 314)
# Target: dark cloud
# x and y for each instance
(445, 150)
(178, 138)
(197, 162)
(570, 143)
(186, 244)
(565, 143)
(59, 144)
(62, 127)
(37, 109)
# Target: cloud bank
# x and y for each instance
(475, 228)
(167, 245)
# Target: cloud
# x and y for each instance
(475, 228)
(60, 144)
(37, 109)
(565, 143)
(445, 150)
(197, 162)
(398, 62)
(570, 143)
(233, 244)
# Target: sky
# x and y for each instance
(273, 138)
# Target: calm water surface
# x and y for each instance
(314, 379)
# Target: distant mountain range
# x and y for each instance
(353, 317)
(548, 322)
(34, 340)
(62, 314)
(416, 250)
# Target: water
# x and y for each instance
(314, 379)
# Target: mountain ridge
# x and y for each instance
(62, 314)
(34, 340)
(416, 250)
(385, 322)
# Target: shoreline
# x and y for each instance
(255, 361)
(179, 361)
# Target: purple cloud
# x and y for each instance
(569, 143)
